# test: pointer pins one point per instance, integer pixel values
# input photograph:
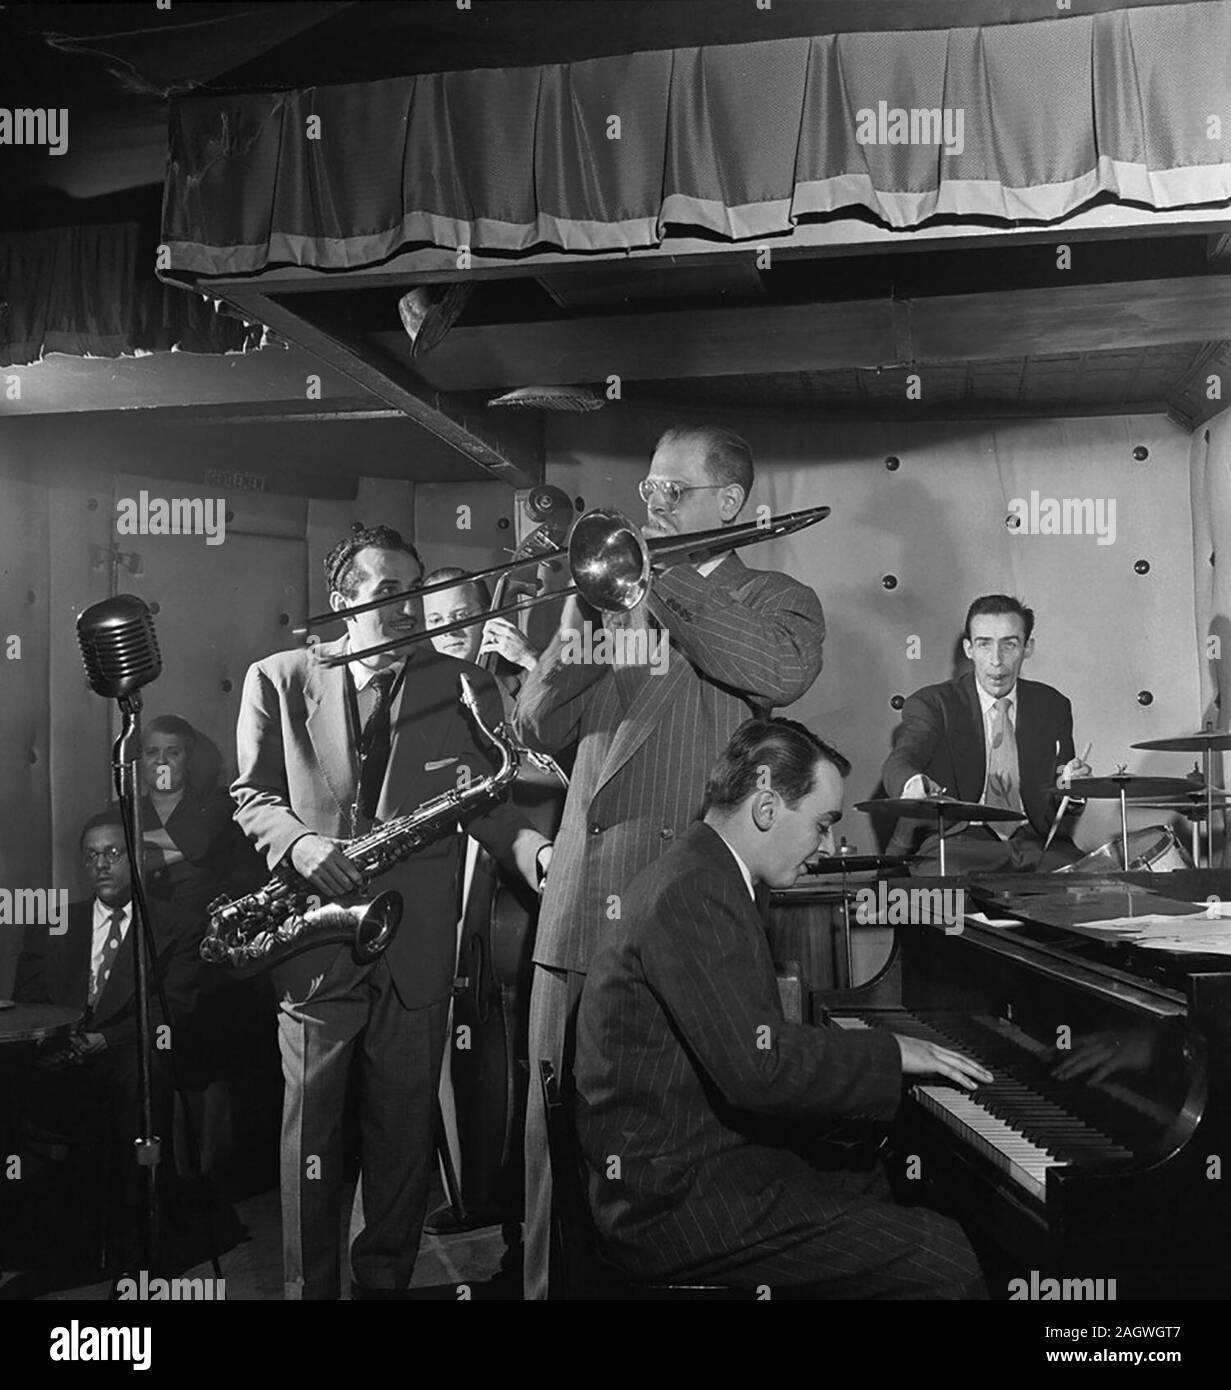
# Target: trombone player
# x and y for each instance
(741, 641)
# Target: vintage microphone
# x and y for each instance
(120, 652)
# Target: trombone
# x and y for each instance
(609, 561)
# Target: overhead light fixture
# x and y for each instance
(577, 398)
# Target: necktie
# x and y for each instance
(111, 949)
(374, 746)
(1002, 770)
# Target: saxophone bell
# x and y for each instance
(367, 926)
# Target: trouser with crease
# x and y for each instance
(553, 1037)
(356, 1007)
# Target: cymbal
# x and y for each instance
(1216, 740)
(932, 808)
(1134, 786)
(1192, 810)
(857, 863)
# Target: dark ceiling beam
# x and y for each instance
(450, 421)
(1189, 403)
(819, 337)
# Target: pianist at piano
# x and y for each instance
(697, 1101)
(992, 737)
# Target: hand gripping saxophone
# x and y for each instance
(261, 929)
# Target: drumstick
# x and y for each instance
(1064, 805)
(1055, 825)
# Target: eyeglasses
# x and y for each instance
(111, 854)
(671, 490)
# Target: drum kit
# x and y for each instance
(1155, 848)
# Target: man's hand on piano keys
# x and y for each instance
(921, 1058)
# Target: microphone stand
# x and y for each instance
(125, 754)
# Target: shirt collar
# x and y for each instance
(102, 914)
(743, 868)
(364, 675)
(712, 564)
(986, 701)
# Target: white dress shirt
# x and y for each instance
(365, 696)
(987, 703)
(102, 929)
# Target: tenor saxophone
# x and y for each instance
(261, 929)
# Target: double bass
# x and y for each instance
(491, 1076)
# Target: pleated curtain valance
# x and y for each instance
(90, 291)
(1015, 122)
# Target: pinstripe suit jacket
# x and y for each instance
(741, 641)
(686, 1071)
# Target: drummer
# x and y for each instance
(989, 736)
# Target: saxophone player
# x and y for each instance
(323, 752)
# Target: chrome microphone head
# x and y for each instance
(119, 647)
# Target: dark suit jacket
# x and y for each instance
(297, 773)
(685, 1063)
(941, 735)
(56, 970)
(741, 641)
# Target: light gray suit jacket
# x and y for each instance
(741, 641)
(297, 771)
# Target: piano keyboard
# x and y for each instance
(1016, 1127)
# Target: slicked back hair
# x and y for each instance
(340, 562)
(464, 581)
(728, 459)
(997, 604)
(778, 754)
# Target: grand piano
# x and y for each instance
(1113, 1168)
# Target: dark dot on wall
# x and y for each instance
(155, 608)
(1141, 453)
(29, 595)
(227, 687)
(579, 503)
(897, 701)
(230, 516)
(502, 524)
(283, 619)
(893, 463)
(91, 504)
(33, 756)
(890, 581)
(1145, 697)
(1142, 567)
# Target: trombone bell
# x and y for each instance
(609, 561)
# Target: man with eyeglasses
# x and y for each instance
(84, 1087)
(990, 736)
(738, 641)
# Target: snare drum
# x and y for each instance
(1153, 849)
